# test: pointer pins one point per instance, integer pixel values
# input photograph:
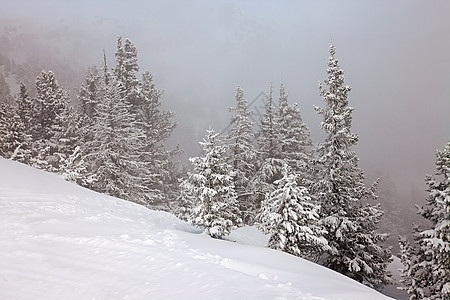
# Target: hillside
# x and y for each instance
(60, 241)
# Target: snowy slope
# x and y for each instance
(60, 241)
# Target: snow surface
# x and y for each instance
(60, 241)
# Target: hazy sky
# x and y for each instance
(396, 57)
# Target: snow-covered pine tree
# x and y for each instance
(157, 122)
(211, 187)
(294, 137)
(112, 151)
(14, 142)
(268, 136)
(89, 93)
(427, 263)
(243, 156)
(25, 107)
(186, 201)
(292, 219)
(437, 239)
(158, 169)
(48, 106)
(85, 123)
(126, 70)
(356, 249)
(106, 75)
(50, 102)
(270, 161)
(70, 141)
(73, 168)
(157, 125)
(416, 273)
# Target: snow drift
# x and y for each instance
(60, 241)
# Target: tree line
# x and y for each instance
(310, 198)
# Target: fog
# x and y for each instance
(396, 57)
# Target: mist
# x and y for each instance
(396, 57)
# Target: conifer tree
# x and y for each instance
(89, 93)
(157, 125)
(69, 141)
(106, 74)
(437, 239)
(157, 122)
(14, 142)
(291, 218)
(211, 187)
(25, 107)
(242, 155)
(351, 226)
(126, 70)
(294, 136)
(268, 137)
(50, 102)
(416, 272)
(427, 262)
(158, 171)
(270, 160)
(48, 106)
(186, 200)
(73, 168)
(112, 150)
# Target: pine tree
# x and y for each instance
(416, 272)
(270, 160)
(211, 187)
(14, 142)
(25, 108)
(294, 137)
(427, 262)
(68, 139)
(268, 137)
(351, 226)
(243, 155)
(89, 93)
(48, 106)
(126, 70)
(437, 239)
(50, 102)
(73, 169)
(157, 125)
(112, 150)
(291, 218)
(158, 171)
(186, 200)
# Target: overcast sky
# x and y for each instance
(396, 57)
